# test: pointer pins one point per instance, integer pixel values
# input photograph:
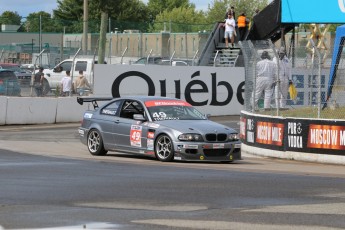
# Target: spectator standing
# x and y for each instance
(38, 82)
(81, 84)
(231, 11)
(285, 78)
(266, 73)
(66, 84)
(229, 31)
(242, 23)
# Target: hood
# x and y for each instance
(196, 126)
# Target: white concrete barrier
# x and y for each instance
(31, 110)
(68, 110)
(3, 109)
(40, 110)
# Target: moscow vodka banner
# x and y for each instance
(297, 135)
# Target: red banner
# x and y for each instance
(269, 133)
(326, 137)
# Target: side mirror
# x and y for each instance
(139, 117)
(48, 74)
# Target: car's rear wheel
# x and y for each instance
(95, 143)
(164, 148)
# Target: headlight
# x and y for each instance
(190, 137)
(234, 137)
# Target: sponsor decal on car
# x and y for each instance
(190, 146)
(135, 135)
(109, 112)
(218, 146)
(88, 115)
(151, 125)
(81, 132)
(149, 144)
(150, 135)
(166, 103)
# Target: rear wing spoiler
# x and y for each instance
(94, 100)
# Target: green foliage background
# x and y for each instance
(180, 15)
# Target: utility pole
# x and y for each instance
(85, 27)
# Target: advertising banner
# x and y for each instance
(316, 11)
(262, 132)
(215, 91)
(297, 135)
(315, 136)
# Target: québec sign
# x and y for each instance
(215, 91)
(188, 89)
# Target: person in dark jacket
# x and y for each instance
(38, 82)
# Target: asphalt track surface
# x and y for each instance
(48, 180)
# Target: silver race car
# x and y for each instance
(166, 128)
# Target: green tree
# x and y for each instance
(70, 13)
(157, 7)
(181, 19)
(10, 18)
(216, 11)
(33, 21)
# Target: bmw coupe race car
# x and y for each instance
(166, 128)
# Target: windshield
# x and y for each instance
(173, 110)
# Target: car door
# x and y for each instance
(58, 73)
(108, 115)
(129, 134)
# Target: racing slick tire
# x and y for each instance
(164, 148)
(95, 143)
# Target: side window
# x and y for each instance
(129, 108)
(111, 109)
(66, 65)
(80, 65)
(141, 61)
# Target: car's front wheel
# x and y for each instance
(95, 143)
(164, 148)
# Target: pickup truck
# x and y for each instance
(53, 76)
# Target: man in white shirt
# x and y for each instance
(229, 30)
(66, 84)
(266, 74)
(285, 78)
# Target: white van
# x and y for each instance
(53, 76)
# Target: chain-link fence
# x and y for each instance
(295, 86)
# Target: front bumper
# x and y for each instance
(195, 151)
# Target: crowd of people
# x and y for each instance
(232, 24)
(267, 82)
(79, 86)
